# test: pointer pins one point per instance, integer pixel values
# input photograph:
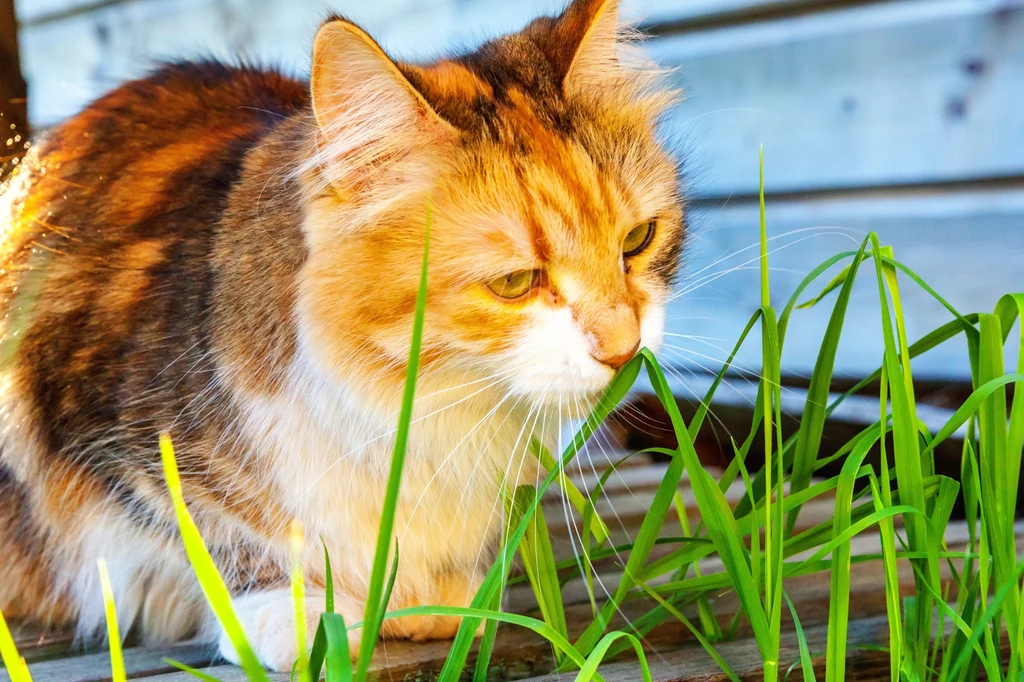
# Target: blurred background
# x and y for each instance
(901, 116)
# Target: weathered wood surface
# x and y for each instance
(888, 93)
(138, 663)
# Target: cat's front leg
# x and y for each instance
(268, 619)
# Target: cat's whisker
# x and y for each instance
(707, 279)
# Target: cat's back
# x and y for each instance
(108, 234)
(154, 138)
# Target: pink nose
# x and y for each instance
(619, 359)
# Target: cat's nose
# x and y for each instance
(614, 333)
(619, 359)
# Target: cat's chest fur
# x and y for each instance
(328, 450)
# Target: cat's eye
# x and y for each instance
(638, 239)
(515, 284)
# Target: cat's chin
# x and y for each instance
(571, 401)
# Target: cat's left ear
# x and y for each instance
(586, 41)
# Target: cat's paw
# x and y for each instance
(268, 619)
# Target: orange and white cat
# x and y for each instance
(233, 256)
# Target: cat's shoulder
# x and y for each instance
(188, 95)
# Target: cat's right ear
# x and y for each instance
(367, 111)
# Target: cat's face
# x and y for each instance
(556, 223)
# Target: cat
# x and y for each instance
(232, 256)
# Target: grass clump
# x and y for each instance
(949, 629)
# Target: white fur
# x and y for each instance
(555, 356)
(268, 620)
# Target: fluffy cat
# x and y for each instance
(232, 256)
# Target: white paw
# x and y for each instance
(268, 619)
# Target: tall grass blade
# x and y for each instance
(589, 669)
(374, 607)
(210, 581)
(539, 562)
(339, 660)
(812, 420)
(190, 671)
(319, 649)
(15, 664)
(806, 664)
(297, 540)
(117, 673)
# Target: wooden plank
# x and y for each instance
(968, 245)
(35, 643)
(691, 663)
(889, 93)
(224, 673)
(138, 662)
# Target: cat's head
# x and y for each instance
(556, 220)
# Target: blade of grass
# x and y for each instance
(723, 532)
(715, 510)
(189, 670)
(589, 669)
(997, 465)
(117, 673)
(210, 581)
(812, 420)
(882, 496)
(466, 612)
(539, 562)
(911, 468)
(708, 647)
(297, 541)
(339, 659)
(839, 592)
(806, 664)
(319, 650)
(374, 608)
(15, 664)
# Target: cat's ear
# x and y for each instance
(367, 111)
(586, 37)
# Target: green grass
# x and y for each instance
(948, 630)
(117, 673)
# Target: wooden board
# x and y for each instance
(888, 93)
(138, 663)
